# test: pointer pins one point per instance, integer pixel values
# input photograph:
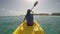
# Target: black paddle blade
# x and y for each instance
(35, 3)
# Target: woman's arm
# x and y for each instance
(32, 12)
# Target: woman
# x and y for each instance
(29, 18)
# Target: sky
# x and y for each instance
(19, 7)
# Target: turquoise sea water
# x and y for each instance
(50, 24)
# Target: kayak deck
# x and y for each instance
(24, 29)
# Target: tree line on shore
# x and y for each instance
(52, 14)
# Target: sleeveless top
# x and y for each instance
(29, 18)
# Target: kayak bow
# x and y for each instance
(24, 29)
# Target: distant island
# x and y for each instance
(55, 14)
(47, 14)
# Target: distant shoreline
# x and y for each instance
(46, 14)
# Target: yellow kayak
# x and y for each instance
(24, 29)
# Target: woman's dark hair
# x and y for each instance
(28, 11)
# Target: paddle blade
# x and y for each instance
(35, 3)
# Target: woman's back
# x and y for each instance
(29, 18)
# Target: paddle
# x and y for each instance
(33, 7)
